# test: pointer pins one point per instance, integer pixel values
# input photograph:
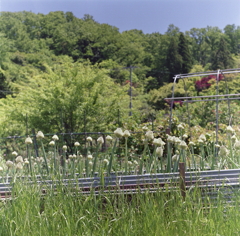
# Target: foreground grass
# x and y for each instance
(68, 212)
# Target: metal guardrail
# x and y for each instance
(210, 182)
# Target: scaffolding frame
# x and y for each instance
(216, 97)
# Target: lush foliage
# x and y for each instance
(34, 47)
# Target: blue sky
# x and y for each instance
(146, 15)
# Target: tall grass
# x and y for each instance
(66, 211)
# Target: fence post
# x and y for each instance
(182, 179)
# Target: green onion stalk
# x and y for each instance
(79, 165)
(73, 166)
(126, 156)
(193, 158)
(87, 162)
(111, 157)
(202, 157)
(55, 159)
(169, 157)
(29, 158)
(95, 160)
(176, 159)
(231, 151)
(64, 163)
(143, 156)
(44, 156)
(153, 159)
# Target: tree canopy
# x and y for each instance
(73, 69)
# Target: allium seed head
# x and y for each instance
(19, 159)
(55, 137)
(28, 140)
(230, 130)
(159, 151)
(89, 139)
(14, 153)
(19, 166)
(126, 134)
(76, 144)
(40, 134)
(90, 157)
(118, 132)
(9, 164)
(52, 143)
(109, 138)
(149, 135)
(100, 140)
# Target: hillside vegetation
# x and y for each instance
(60, 73)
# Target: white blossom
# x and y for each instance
(234, 138)
(223, 151)
(159, 151)
(118, 132)
(135, 162)
(177, 140)
(180, 126)
(89, 157)
(230, 130)
(237, 145)
(183, 145)
(126, 134)
(100, 140)
(28, 140)
(52, 143)
(9, 164)
(145, 128)
(175, 158)
(55, 137)
(149, 135)
(40, 134)
(109, 138)
(14, 153)
(158, 142)
(90, 163)
(89, 139)
(170, 139)
(202, 137)
(19, 159)
(19, 166)
(76, 144)
(191, 143)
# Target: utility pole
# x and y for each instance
(130, 93)
(130, 88)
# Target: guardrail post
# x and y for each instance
(182, 179)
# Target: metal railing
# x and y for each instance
(208, 182)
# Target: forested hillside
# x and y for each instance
(65, 50)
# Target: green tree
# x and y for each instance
(221, 58)
(173, 60)
(184, 52)
(70, 97)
